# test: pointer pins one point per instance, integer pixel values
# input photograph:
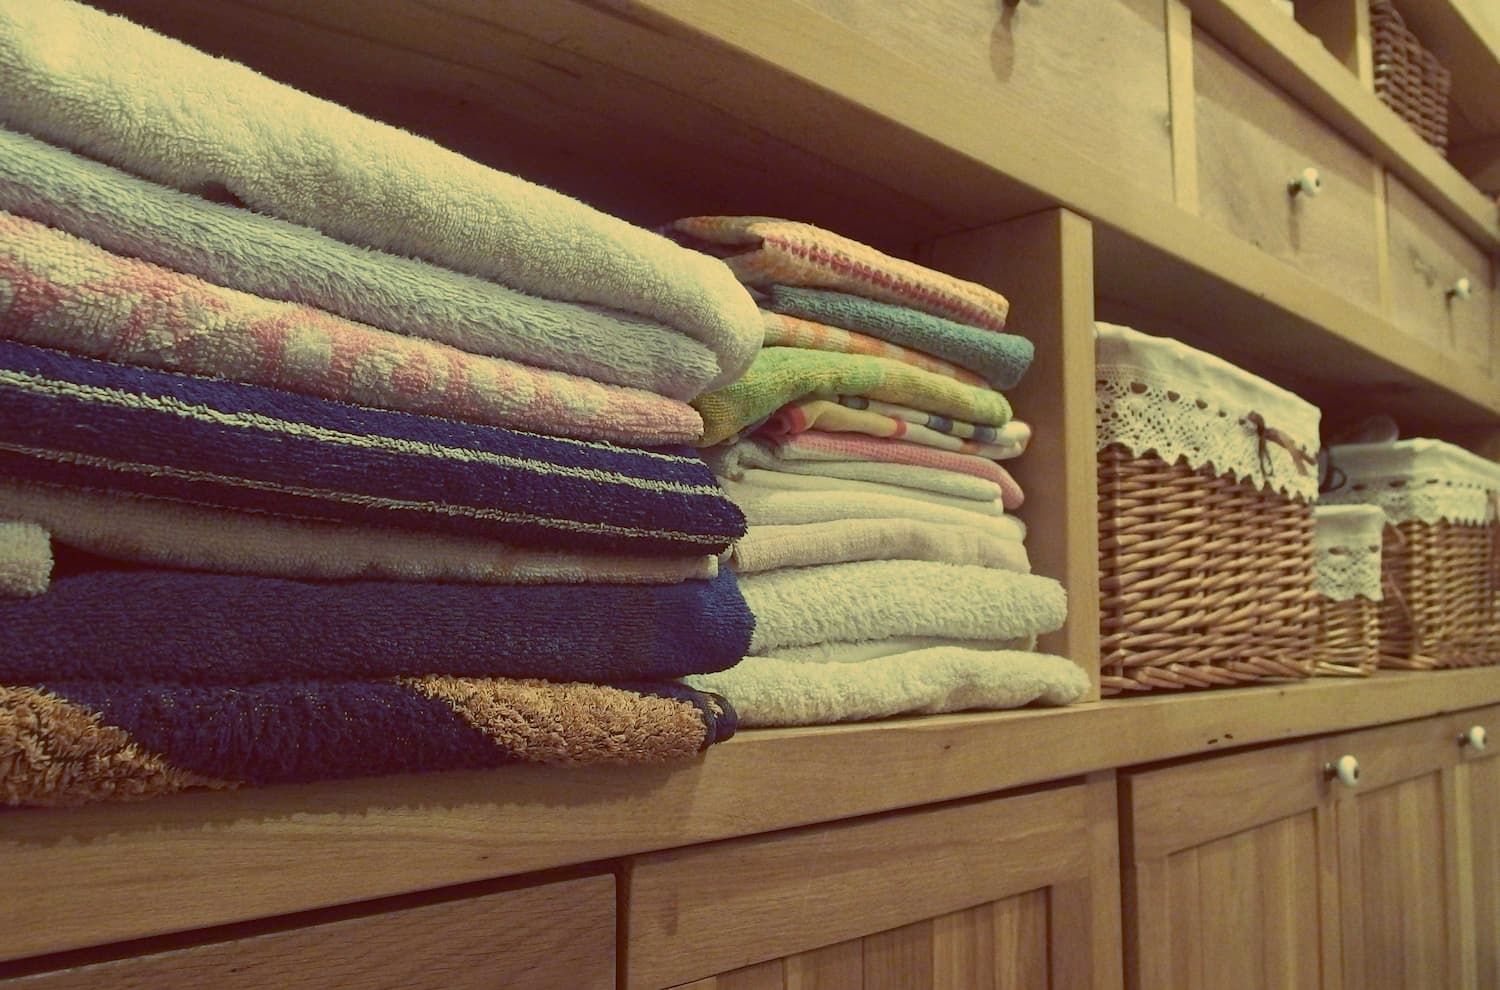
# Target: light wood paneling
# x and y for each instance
(1184, 117)
(560, 935)
(1343, 26)
(1252, 141)
(1481, 784)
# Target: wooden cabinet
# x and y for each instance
(1018, 891)
(1476, 794)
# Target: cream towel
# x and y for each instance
(768, 691)
(777, 481)
(877, 599)
(25, 558)
(730, 461)
(789, 508)
(766, 548)
(98, 84)
(870, 649)
(180, 534)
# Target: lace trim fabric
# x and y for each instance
(1159, 418)
(1345, 573)
(1429, 501)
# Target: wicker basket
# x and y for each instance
(1205, 520)
(1347, 541)
(1439, 557)
(1408, 77)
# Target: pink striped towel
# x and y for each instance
(816, 445)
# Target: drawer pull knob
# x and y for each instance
(1462, 289)
(1475, 738)
(1307, 183)
(1345, 770)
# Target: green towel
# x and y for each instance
(785, 374)
(1002, 358)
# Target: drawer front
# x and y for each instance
(1253, 141)
(1428, 257)
(560, 935)
(1094, 70)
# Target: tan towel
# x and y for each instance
(838, 541)
(25, 558)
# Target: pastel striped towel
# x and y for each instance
(789, 331)
(734, 459)
(1001, 358)
(83, 423)
(172, 533)
(765, 251)
(932, 421)
(59, 291)
(785, 507)
(840, 541)
(823, 414)
(785, 374)
(264, 256)
(817, 446)
(99, 85)
(79, 742)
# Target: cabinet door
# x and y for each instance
(1477, 804)
(1231, 874)
(1008, 892)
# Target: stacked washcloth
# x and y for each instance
(882, 563)
(358, 455)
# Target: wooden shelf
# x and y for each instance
(189, 862)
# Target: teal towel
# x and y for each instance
(1002, 358)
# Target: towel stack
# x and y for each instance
(884, 566)
(355, 456)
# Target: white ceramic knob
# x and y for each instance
(1307, 183)
(1462, 289)
(1345, 770)
(1475, 738)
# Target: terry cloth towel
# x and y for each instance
(821, 414)
(77, 742)
(817, 446)
(761, 481)
(791, 507)
(1001, 358)
(59, 291)
(165, 625)
(785, 374)
(766, 548)
(942, 424)
(73, 421)
(258, 254)
(171, 533)
(25, 558)
(731, 460)
(97, 84)
(789, 331)
(870, 649)
(767, 691)
(877, 599)
(765, 251)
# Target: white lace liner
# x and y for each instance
(1424, 480)
(1346, 541)
(1158, 395)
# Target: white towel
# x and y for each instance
(773, 508)
(98, 84)
(838, 541)
(769, 691)
(25, 559)
(776, 481)
(870, 649)
(731, 461)
(877, 599)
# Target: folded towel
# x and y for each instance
(102, 623)
(769, 691)
(785, 374)
(766, 548)
(172, 533)
(773, 507)
(757, 481)
(765, 251)
(876, 599)
(1000, 358)
(98, 84)
(733, 459)
(821, 414)
(789, 331)
(68, 743)
(942, 424)
(819, 447)
(872, 648)
(258, 254)
(75, 421)
(70, 294)
(25, 558)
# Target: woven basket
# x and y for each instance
(1206, 567)
(1347, 547)
(1408, 77)
(1348, 637)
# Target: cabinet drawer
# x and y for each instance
(559, 935)
(1253, 141)
(1428, 257)
(1094, 70)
